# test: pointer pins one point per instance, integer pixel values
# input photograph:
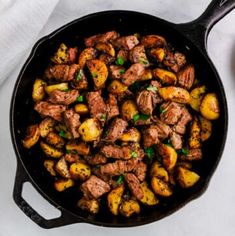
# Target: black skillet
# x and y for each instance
(189, 38)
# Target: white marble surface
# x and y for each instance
(211, 214)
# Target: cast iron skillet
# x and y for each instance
(189, 38)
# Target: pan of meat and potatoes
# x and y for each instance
(115, 128)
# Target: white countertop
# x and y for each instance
(211, 214)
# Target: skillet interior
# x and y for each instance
(125, 22)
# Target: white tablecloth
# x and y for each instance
(21, 24)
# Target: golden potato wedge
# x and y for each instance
(60, 86)
(151, 41)
(90, 205)
(50, 151)
(114, 199)
(129, 109)
(38, 92)
(196, 96)
(169, 156)
(131, 135)
(32, 136)
(174, 94)
(90, 130)
(165, 76)
(61, 56)
(99, 72)
(148, 75)
(158, 53)
(129, 207)
(106, 47)
(85, 55)
(195, 134)
(50, 166)
(187, 178)
(55, 140)
(46, 126)
(159, 171)
(79, 171)
(81, 148)
(62, 168)
(117, 87)
(206, 128)
(210, 107)
(160, 187)
(81, 109)
(62, 184)
(149, 197)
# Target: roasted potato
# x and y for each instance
(169, 156)
(81, 148)
(187, 178)
(85, 55)
(62, 169)
(50, 166)
(159, 171)
(81, 109)
(61, 86)
(90, 130)
(46, 126)
(206, 128)
(99, 72)
(149, 197)
(165, 76)
(152, 41)
(148, 75)
(117, 87)
(61, 56)
(196, 96)
(50, 151)
(63, 131)
(195, 134)
(32, 136)
(55, 140)
(106, 47)
(129, 207)
(90, 205)
(210, 107)
(174, 94)
(128, 110)
(79, 171)
(160, 187)
(38, 90)
(158, 53)
(114, 199)
(62, 184)
(131, 135)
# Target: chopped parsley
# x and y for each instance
(68, 151)
(162, 110)
(62, 134)
(103, 117)
(65, 90)
(120, 179)
(143, 61)
(149, 152)
(79, 75)
(138, 116)
(94, 74)
(120, 61)
(152, 88)
(80, 98)
(121, 72)
(134, 154)
(183, 151)
(144, 117)
(168, 143)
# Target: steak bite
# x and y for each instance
(63, 97)
(125, 42)
(140, 171)
(186, 77)
(134, 185)
(116, 72)
(112, 107)
(145, 102)
(176, 140)
(171, 112)
(150, 136)
(138, 55)
(48, 109)
(97, 159)
(72, 122)
(185, 118)
(163, 129)
(116, 152)
(94, 187)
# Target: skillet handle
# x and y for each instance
(65, 218)
(198, 30)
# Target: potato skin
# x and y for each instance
(149, 197)
(129, 207)
(128, 110)
(50, 166)
(90, 205)
(61, 56)
(79, 171)
(160, 187)
(50, 151)
(62, 168)
(32, 136)
(38, 92)
(166, 77)
(81, 148)
(114, 199)
(153, 40)
(148, 75)
(90, 130)
(196, 96)
(131, 135)
(158, 53)
(60, 86)
(195, 134)
(55, 140)
(206, 128)
(187, 178)
(106, 47)
(62, 184)
(85, 55)
(46, 126)
(81, 109)
(117, 87)
(210, 107)
(159, 171)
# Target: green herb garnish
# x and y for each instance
(120, 61)
(134, 154)
(80, 98)
(183, 151)
(168, 143)
(68, 151)
(162, 110)
(136, 117)
(149, 152)
(120, 179)
(144, 117)
(121, 72)
(66, 90)
(143, 61)
(103, 117)
(152, 88)
(94, 75)
(62, 134)
(79, 75)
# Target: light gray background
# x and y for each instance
(211, 214)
